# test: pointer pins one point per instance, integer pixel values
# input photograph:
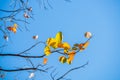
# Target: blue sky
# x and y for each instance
(100, 17)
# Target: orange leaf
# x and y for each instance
(71, 55)
(85, 45)
(45, 60)
(13, 29)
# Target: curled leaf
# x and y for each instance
(62, 59)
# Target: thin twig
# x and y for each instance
(61, 77)
(31, 47)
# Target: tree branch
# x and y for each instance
(61, 77)
(11, 10)
(31, 47)
(23, 56)
(21, 69)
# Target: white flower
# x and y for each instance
(31, 75)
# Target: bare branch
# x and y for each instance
(21, 69)
(61, 77)
(31, 47)
(20, 9)
(23, 56)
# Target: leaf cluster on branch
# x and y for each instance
(52, 45)
(10, 23)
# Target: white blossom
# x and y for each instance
(31, 75)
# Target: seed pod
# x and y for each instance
(5, 37)
(88, 34)
(35, 37)
(26, 15)
(30, 9)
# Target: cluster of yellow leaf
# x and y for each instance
(57, 42)
(13, 28)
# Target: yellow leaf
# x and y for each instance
(51, 42)
(55, 42)
(14, 30)
(66, 47)
(58, 37)
(47, 51)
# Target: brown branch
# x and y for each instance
(11, 10)
(61, 77)
(23, 56)
(31, 47)
(21, 69)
